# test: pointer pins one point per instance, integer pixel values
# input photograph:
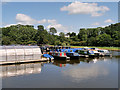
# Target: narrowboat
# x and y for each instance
(82, 53)
(104, 52)
(87, 52)
(73, 55)
(59, 55)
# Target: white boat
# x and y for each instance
(104, 52)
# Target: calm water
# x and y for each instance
(84, 73)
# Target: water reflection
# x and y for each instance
(84, 72)
(61, 63)
(78, 72)
(87, 68)
(22, 69)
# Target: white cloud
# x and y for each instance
(59, 27)
(53, 21)
(55, 24)
(85, 8)
(27, 20)
(96, 24)
(108, 21)
(84, 73)
(9, 25)
(24, 19)
(42, 21)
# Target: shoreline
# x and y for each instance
(107, 48)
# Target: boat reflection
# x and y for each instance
(32, 68)
(81, 60)
(22, 69)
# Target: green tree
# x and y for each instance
(6, 40)
(82, 35)
(68, 34)
(104, 40)
(72, 34)
(40, 27)
(91, 41)
(57, 42)
(62, 34)
(53, 30)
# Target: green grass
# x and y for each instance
(108, 48)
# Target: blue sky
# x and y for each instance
(82, 15)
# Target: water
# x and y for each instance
(84, 73)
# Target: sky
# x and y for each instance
(64, 16)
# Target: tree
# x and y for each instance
(26, 34)
(104, 40)
(91, 41)
(116, 35)
(57, 42)
(82, 35)
(40, 27)
(62, 34)
(72, 34)
(68, 34)
(6, 40)
(53, 30)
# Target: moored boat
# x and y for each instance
(73, 55)
(104, 52)
(59, 55)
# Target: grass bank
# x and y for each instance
(108, 48)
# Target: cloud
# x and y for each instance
(55, 24)
(108, 21)
(24, 19)
(85, 72)
(59, 27)
(42, 21)
(27, 20)
(96, 24)
(85, 8)
(9, 25)
(53, 21)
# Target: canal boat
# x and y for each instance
(87, 52)
(82, 52)
(59, 55)
(55, 51)
(104, 52)
(73, 55)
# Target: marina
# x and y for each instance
(63, 44)
(53, 66)
(63, 53)
(26, 54)
(82, 73)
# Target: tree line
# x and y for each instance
(27, 34)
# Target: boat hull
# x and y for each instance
(74, 57)
(61, 57)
